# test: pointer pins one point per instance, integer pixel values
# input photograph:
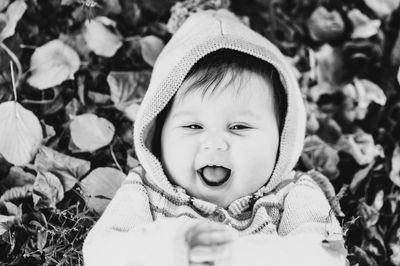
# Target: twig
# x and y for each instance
(115, 159)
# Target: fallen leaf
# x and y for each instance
(90, 132)
(99, 98)
(4, 4)
(151, 46)
(77, 42)
(68, 169)
(363, 27)
(361, 146)
(16, 193)
(322, 157)
(100, 186)
(132, 111)
(395, 171)
(20, 133)
(324, 25)
(13, 209)
(14, 13)
(100, 38)
(395, 256)
(17, 177)
(127, 87)
(5, 223)
(398, 75)
(378, 201)
(53, 63)
(382, 8)
(47, 191)
(359, 177)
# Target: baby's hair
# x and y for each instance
(208, 72)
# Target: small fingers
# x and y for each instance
(212, 238)
(209, 233)
(204, 254)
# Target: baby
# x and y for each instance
(218, 134)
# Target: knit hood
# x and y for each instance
(200, 35)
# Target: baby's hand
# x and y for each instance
(209, 241)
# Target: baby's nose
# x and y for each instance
(215, 143)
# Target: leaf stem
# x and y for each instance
(13, 82)
(15, 59)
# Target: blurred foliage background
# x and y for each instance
(73, 74)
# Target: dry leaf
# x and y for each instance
(68, 169)
(151, 46)
(100, 185)
(378, 201)
(99, 38)
(132, 111)
(53, 63)
(47, 191)
(324, 25)
(13, 209)
(361, 146)
(382, 8)
(16, 193)
(4, 4)
(395, 172)
(126, 87)
(20, 133)
(5, 223)
(359, 177)
(90, 132)
(13, 15)
(363, 26)
(322, 157)
(17, 177)
(395, 257)
(398, 75)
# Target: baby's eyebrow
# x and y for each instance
(183, 113)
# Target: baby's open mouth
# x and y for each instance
(214, 175)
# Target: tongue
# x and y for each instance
(215, 174)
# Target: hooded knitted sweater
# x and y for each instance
(286, 222)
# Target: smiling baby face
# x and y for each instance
(222, 144)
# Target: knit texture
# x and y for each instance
(287, 202)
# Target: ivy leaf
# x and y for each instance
(363, 26)
(68, 169)
(53, 63)
(151, 46)
(47, 191)
(101, 36)
(20, 133)
(100, 186)
(13, 15)
(90, 132)
(395, 172)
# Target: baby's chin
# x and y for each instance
(222, 202)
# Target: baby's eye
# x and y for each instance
(238, 127)
(193, 126)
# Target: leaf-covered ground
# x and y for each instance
(73, 74)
